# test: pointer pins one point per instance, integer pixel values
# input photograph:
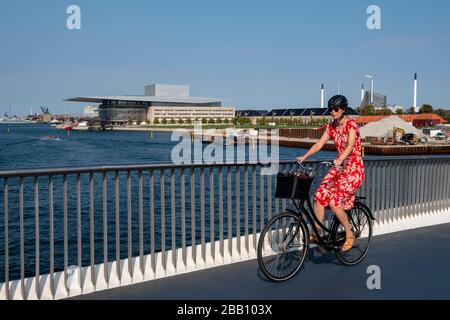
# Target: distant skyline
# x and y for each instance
(253, 54)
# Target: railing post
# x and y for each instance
(117, 223)
(22, 245)
(414, 194)
(420, 188)
(183, 217)
(247, 245)
(283, 202)
(398, 193)
(429, 188)
(411, 177)
(65, 231)
(382, 194)
(152, 221)
(269, 197)
(37, 236)
(163, 220)
(387, 192)
(230, 213)
(254, 212)
(211, 212)
(79, 242)
(441, 184)
(193, 240)
(6, 229)
(447, 184)
(105, 229)
(52, 240)
(92, 228)
(202, 213)
(141, 223)
(378, 189)
(130, 230)
(220, 187)
(238, 209)
(172, 219)
(261, 199)
(392, 192)
(435, 185)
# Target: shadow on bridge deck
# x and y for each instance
(414, 265)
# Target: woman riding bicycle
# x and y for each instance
(338, 188)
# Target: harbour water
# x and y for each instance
(27, 146)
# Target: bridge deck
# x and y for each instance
(414, 265)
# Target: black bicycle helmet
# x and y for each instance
(338, 101)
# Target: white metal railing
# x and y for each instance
(71, 231)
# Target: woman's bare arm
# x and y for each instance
(318, 146)
(350, 146)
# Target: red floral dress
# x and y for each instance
(341, 185)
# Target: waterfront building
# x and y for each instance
(251, 113)
(394, 108)
(379, 100)
(302, 116)
(90, 112)
(424, 120)
(254, 115)
(190, 113)
(159, 103)
(47, 117)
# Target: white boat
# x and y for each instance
(7, 119)
(55, 122)
(51, 138)
(14, 120)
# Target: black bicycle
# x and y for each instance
(284, 240)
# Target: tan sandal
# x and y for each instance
(348, 245)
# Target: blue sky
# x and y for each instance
(253, 54)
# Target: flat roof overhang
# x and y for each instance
(186, 100)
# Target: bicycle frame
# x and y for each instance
(311, 217)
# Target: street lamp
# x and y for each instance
(371, 87)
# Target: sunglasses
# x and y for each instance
(335, 109)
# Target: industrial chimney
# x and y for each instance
(415, 93)
(362, 92)
(321, 97)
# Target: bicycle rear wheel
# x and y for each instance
(361, 223)
(282, 247)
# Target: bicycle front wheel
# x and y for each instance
(282, 247)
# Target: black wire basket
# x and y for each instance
(293, 186)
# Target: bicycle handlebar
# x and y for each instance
(325, 163)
